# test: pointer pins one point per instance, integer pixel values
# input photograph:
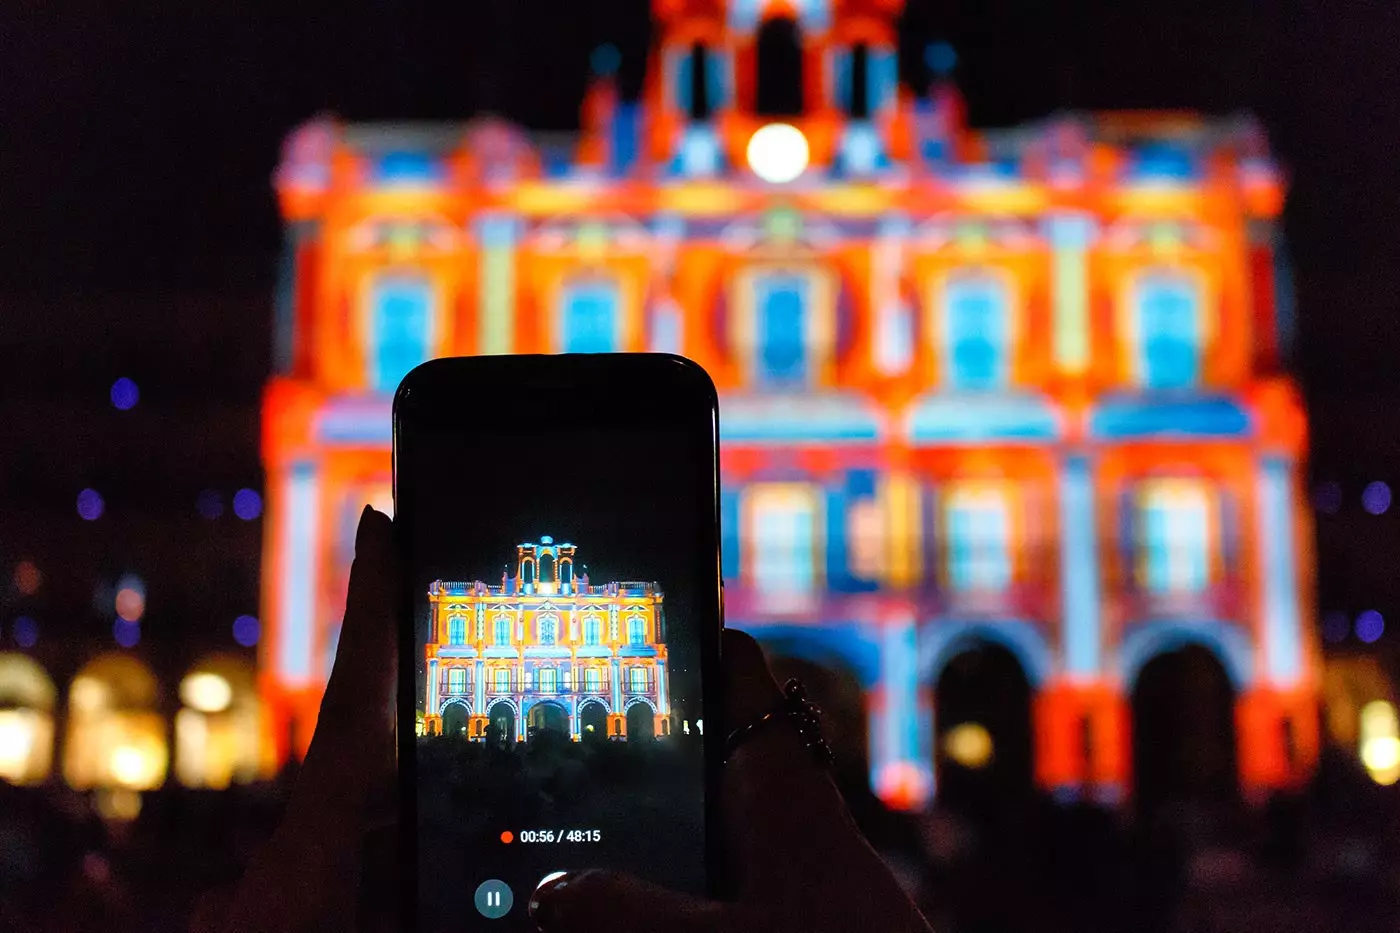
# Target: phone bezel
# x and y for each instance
(674, 386)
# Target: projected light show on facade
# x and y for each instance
(1019, 388)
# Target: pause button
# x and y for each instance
(493, 899)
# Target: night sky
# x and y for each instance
(138, 232)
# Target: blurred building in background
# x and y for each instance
(1015, 395)
(546, 649)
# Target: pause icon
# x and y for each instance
(493, 899)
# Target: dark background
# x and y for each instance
(139, 233)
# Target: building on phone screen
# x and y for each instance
(1008, 444)
(544, 649)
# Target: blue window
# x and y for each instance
(636, 630)
(592, 631)
(502, 631)
(783, 535)
(590, 318)
(637, 679)
(977, 351)
(978, 540)
(457, 630)
(549, 680)
(502, 680)
(1168, 332)
(549, 630)
(1174, 537)
(401, 329)
(781, 305)
(592, 680)
(456, 680)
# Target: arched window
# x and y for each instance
(502, 680)
(502, 630)
(592, 680)
(636, 631)
(1168, 331)
(549, 680)
(977, 521)
(592, 631)
(401, 328)
(549, 630)
(782, 317)
(457, 630)
(977, 333)
(456, 680)
(637, 679)
(590, 317)
(783, 522)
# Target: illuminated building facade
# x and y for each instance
(1020, 388)
(544, 649)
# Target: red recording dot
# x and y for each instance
(507, 837)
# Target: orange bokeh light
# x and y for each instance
(28, 579)
(131, 605)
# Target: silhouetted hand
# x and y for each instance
(802, 864)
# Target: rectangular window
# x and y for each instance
(456, 680)
(457, 630)
(1168, 333)
(549, 680)
(1174, 531)
(784, 531)
(977, 333)
(502, 630)
(637, 680)
(592, 631)
(592, 680)
(977, 521)
(502, 680)
(401, 329)
(636, 631)
(781, 307)
(592, 322)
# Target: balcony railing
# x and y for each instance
(532, 686)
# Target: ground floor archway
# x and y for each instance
(640, 724)
(593, 722)
(548, 717)
(1183, 708)
(982, 737)
(454, 720)
(501, 724)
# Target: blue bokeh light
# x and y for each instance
(90, 505)
(125, 394)
(247, 504)
(209, 504)
(126, 634)
(1375, 498)
(1370, 626)
(26, 632)
(1327, 497)
(1335, 626)
(605, 60)
(246, 631)
(941, 58)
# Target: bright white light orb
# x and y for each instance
(206, 692)
(778, 153)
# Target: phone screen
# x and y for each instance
(563, 564)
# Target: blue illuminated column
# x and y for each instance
(901, 726)
(894, 324)
(479, 691)
(1069, 236)
(432, 698)
(1283, 648)
(666, 332)
(616, 686)
(662, 704)
(1080, 570)
(301, 496)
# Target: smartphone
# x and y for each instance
(558, 518)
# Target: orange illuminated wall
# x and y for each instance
(1020, 388)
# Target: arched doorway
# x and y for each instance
(982, 730)
(500, 727)
(1184, 730)
(454, 720)
(548, 717)
(593, 722)
(115, 736)
(27, 698)
(219, 738)
(640, 725)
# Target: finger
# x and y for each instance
(307, 876)
(776, 794)
(603, 902)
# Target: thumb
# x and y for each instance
(605, 902)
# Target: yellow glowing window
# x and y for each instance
(785, 537)
(1175, 519)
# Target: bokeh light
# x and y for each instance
(28, 579)
(247, 504)
(125, 394)
(127, 634)
(209, 504)
(941, 58)
(131, 605)
(1370, 626)
(778, 153)
(26, 632)
(605, 59)
(1375, 498)
(1336, 626)
(969, 744)
(1380, 741)
(1327, 497)
(246, 631)
(90, 505)
(207, 692)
